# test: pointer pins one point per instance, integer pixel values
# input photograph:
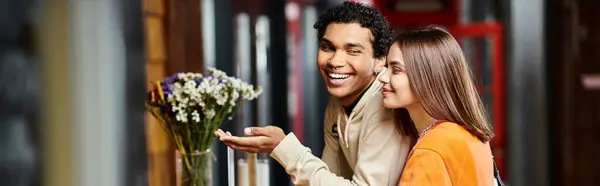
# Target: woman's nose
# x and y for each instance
(384, 78)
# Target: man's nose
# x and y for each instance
(336, 60)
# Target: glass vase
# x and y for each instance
(194, 169)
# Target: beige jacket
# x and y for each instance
(362, 149)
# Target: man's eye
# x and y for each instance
(326, 48)
(354, 52)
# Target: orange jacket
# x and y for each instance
(448, 154)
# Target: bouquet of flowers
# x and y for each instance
(190, 107)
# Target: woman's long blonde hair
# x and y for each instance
(441, 80)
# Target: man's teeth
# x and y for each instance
(339, 76)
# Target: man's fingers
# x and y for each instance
(220, 133)
(254, 131)
(242, 141)
(260, 131)
(249, 144)
(242, 148)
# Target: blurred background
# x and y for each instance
(73, 76)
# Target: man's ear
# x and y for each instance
(379, 64)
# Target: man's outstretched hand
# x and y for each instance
(258, 139)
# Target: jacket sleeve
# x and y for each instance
(425, 167)
(381, 156)
(303, 167)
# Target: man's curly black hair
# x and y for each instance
(365, 15)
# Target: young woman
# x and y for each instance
(428, 82)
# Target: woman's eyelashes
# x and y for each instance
(396, 70)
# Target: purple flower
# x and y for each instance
(169, 79)
(166, 89)
(167, 83)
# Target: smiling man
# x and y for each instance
(362, 143)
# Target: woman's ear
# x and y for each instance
(379, 65)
